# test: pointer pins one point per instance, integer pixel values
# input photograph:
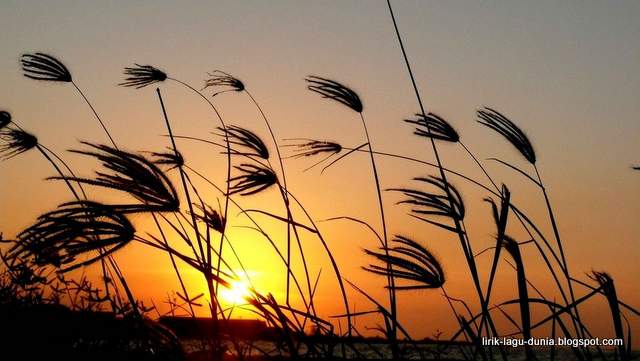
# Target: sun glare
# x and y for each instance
(236, 293)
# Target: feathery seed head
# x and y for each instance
(433, 126)
(247, 139)
(172, 158)
(501, 124)
(310, 147)
(139, 76)
(59, 237)
(333, 90)
(40, 66)
(212, 218)
(409, 261)
(253, 179)
(5, 119)
(434, 204)
(134, 174)
(219, 78)
(15, 142)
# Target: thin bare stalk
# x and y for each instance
(55, 166)
(228, 146)
(258, 228)
(470, 260)
(522, 222)
(556, 233)
(208, 278)
(96, 114)
(290, 224)
(390, 279)
(334, 264)
(111, 260)
(173, 263)
(43, 150)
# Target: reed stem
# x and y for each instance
(390, 278)
(290, 220)
(213, 300)
(96, 114)
(470, 260)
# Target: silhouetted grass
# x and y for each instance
(192, 232)
(411, 262)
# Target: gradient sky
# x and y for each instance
(566, 72)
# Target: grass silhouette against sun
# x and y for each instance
(194, 233)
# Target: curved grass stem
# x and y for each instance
(258, 228)
(291, 225)
(95, 113)
(390, 278)
(470, 260)
(556, 233)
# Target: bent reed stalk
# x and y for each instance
(459, 227)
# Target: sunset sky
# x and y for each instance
(565, 72)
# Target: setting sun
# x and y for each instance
(237, 292)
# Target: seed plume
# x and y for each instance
(16, 142)
(333, 90)
(253, 179)
(140, 76)
(501, 124)
(134, 174)
(59, 237)
(219, 78)
(5, 119)
(433, 126)
(40, 66)
(247, 139)
(409, 261)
